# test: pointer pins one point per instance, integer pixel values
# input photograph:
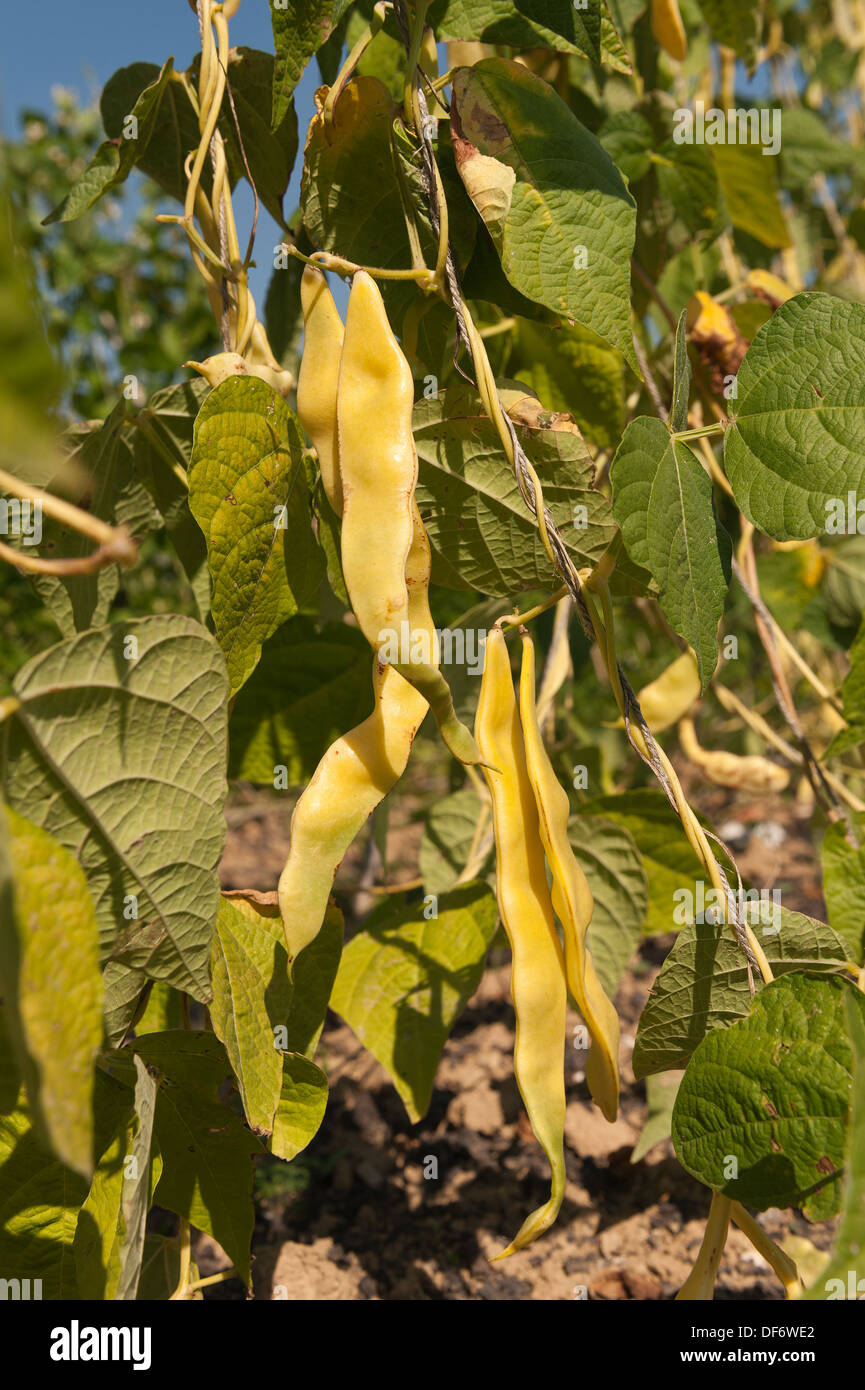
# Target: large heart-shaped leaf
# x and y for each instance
(118, 750)
(763, 1107)
(556, 206)
(796, 445)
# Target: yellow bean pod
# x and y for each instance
(377, 463)
(319, 376)
(668, 28)
(355, 774)
(748, 773)
(572, 901)
(378, 467)
(664, 700)
(223, 365)
(537, 974)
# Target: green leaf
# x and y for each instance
(162, 1010)
(809, 148)
(114, 160)
(53, 989)
(160, 1269)
(773, 1093)
(121, 757)
(135, 1197)
(38, 1210)
(681, 377)
(357, 151)
(554, 24)
(662, 500)
(795, 446)
(703, 984)
(556, 207)
(246, 958)
(481, 532)
(206, 1149)
(749, 182)
(657, 832)
(661, 1094)
(10, 1076)
(40, 1197)
(688, 180)
(162, 444)
(248, 493)
(109, 1236)
(449, 827)
(309, 688)
(628, 139)
(844, 886)
(314, 973)
(572, 369)
(174, 132)
(853, 697)
(269, 154)
(384, 59)
(849, 1244)
(736, 24)
(611, 862)
(843, 590)
(96, 1232)
(301, 1108)
(300, 28)
(296, 1010)
(404, 979)
(97, 474)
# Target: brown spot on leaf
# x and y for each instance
(825, 1165)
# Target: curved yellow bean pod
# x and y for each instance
(537, 974)
(355, 774)
(748, 772)
(572, 901)
(668, 28)
(319, 376)
(377, 463)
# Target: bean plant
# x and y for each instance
(559, 363)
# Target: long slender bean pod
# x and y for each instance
(378, 467)
(537, 976)
(572, 900)
(355, 774)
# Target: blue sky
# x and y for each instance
(80, 43)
